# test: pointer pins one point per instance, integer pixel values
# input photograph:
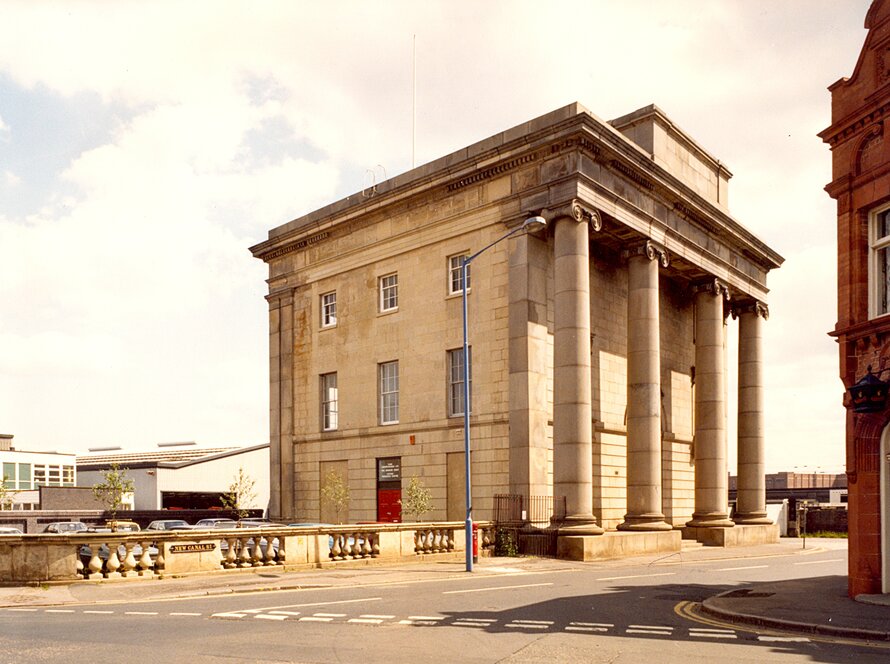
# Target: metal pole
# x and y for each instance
(468, 525)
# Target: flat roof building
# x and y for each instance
(597, 345)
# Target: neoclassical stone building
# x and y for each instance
(598, 349)
(860, 106)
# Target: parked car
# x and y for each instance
(123, 526)
(9, 530)
(169, 524)
(216, 523)
(65, 527)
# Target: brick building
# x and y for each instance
(597, 344)
(860, 107)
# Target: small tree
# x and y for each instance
(6, 495)
(418, 499)
(335, 492)
(240, 495)
(110, 492)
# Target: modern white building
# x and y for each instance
(23, 472)
(182, 475)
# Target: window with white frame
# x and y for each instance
(456, 381)
(455, 274)
(329, 309)
(67, 475)
(39, 475)
(329, 408)
(879, 263)
(389, 392)
(389, 292)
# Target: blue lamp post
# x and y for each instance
(529, 225)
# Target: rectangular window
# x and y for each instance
(67, 475)
(329, 409)
(455, 274)
(8, 475)
(879, 264)
(39, 475)
(24, 476)
(329, 309)
(389, 292)
(456, 381)
(55, 476)
(389, 392)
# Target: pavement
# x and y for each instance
(818, 605)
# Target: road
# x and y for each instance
(597, 612)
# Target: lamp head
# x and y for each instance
(533, 224)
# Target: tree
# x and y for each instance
(240, 495)
(418, 499)
(5, 495)
(110, 492)
(335, 492)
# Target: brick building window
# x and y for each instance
(455, 275)
(456, 381)
(879, 263)
(329, 408)
(389, 292)
(389, 392)
(329, 309)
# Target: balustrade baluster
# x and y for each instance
(112, 565)
(230, 553)
(366, 545)
(269, 557)
(335, 549)
(375, 545)
(95, 562)
(356, 545)
(418, 541)
(129, 562)
(145, 563)
(245, 557)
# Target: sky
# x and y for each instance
(145, 146)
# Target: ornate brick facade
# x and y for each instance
(860, 106)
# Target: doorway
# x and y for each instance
(389, 490)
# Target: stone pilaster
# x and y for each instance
(711, 482)
(529, 447)
(751, 488)
(644, 510)
(281, 406)
(572, 416)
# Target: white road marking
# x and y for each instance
(140, 613)
(580, 628)
(101, 612)
(716, 631)
(651, 627)
(424, 617)
(269, 616)
(418, 622)
(712, 635)
(464, 623)
(285, 613)
(59, 611)
(526, 626)
(301, 606)
(587, 624)
(482, 590)
(329, 615)
(820, 562)
(365, 621)
(784, 639)
(534, 622)
(635, 576)
(228, 615)
(647, 631)
(371, 615)
(734, 569)
(314, 619)
(185, 614)
(251, 610)
(23, 610)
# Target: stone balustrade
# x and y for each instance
(127, 555)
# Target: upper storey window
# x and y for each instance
(879, 263)
(455, 274)
(329, 309)
(389, 292)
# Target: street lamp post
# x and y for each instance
(531, 224)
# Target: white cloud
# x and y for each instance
(11, 179)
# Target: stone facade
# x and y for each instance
(565, 324)
(861, 186)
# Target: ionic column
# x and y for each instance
(751, 493)
(711, 483)
(643, 391)
(572, 426)
(281, 460)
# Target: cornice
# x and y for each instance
(860, 120)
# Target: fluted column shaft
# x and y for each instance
(711, 483)
(643, 393)
(572, 426)
(751, 489)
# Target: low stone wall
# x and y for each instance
(106, 556)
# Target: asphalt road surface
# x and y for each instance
(583, 613)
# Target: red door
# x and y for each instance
(389, 505)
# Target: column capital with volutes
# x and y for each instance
(714, 286)
(756, 307)
(576, 210)
(650, 250)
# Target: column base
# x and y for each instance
(579, 524)
(644, 522)
(751, 519)
(710, 520)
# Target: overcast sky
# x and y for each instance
(145, 146)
